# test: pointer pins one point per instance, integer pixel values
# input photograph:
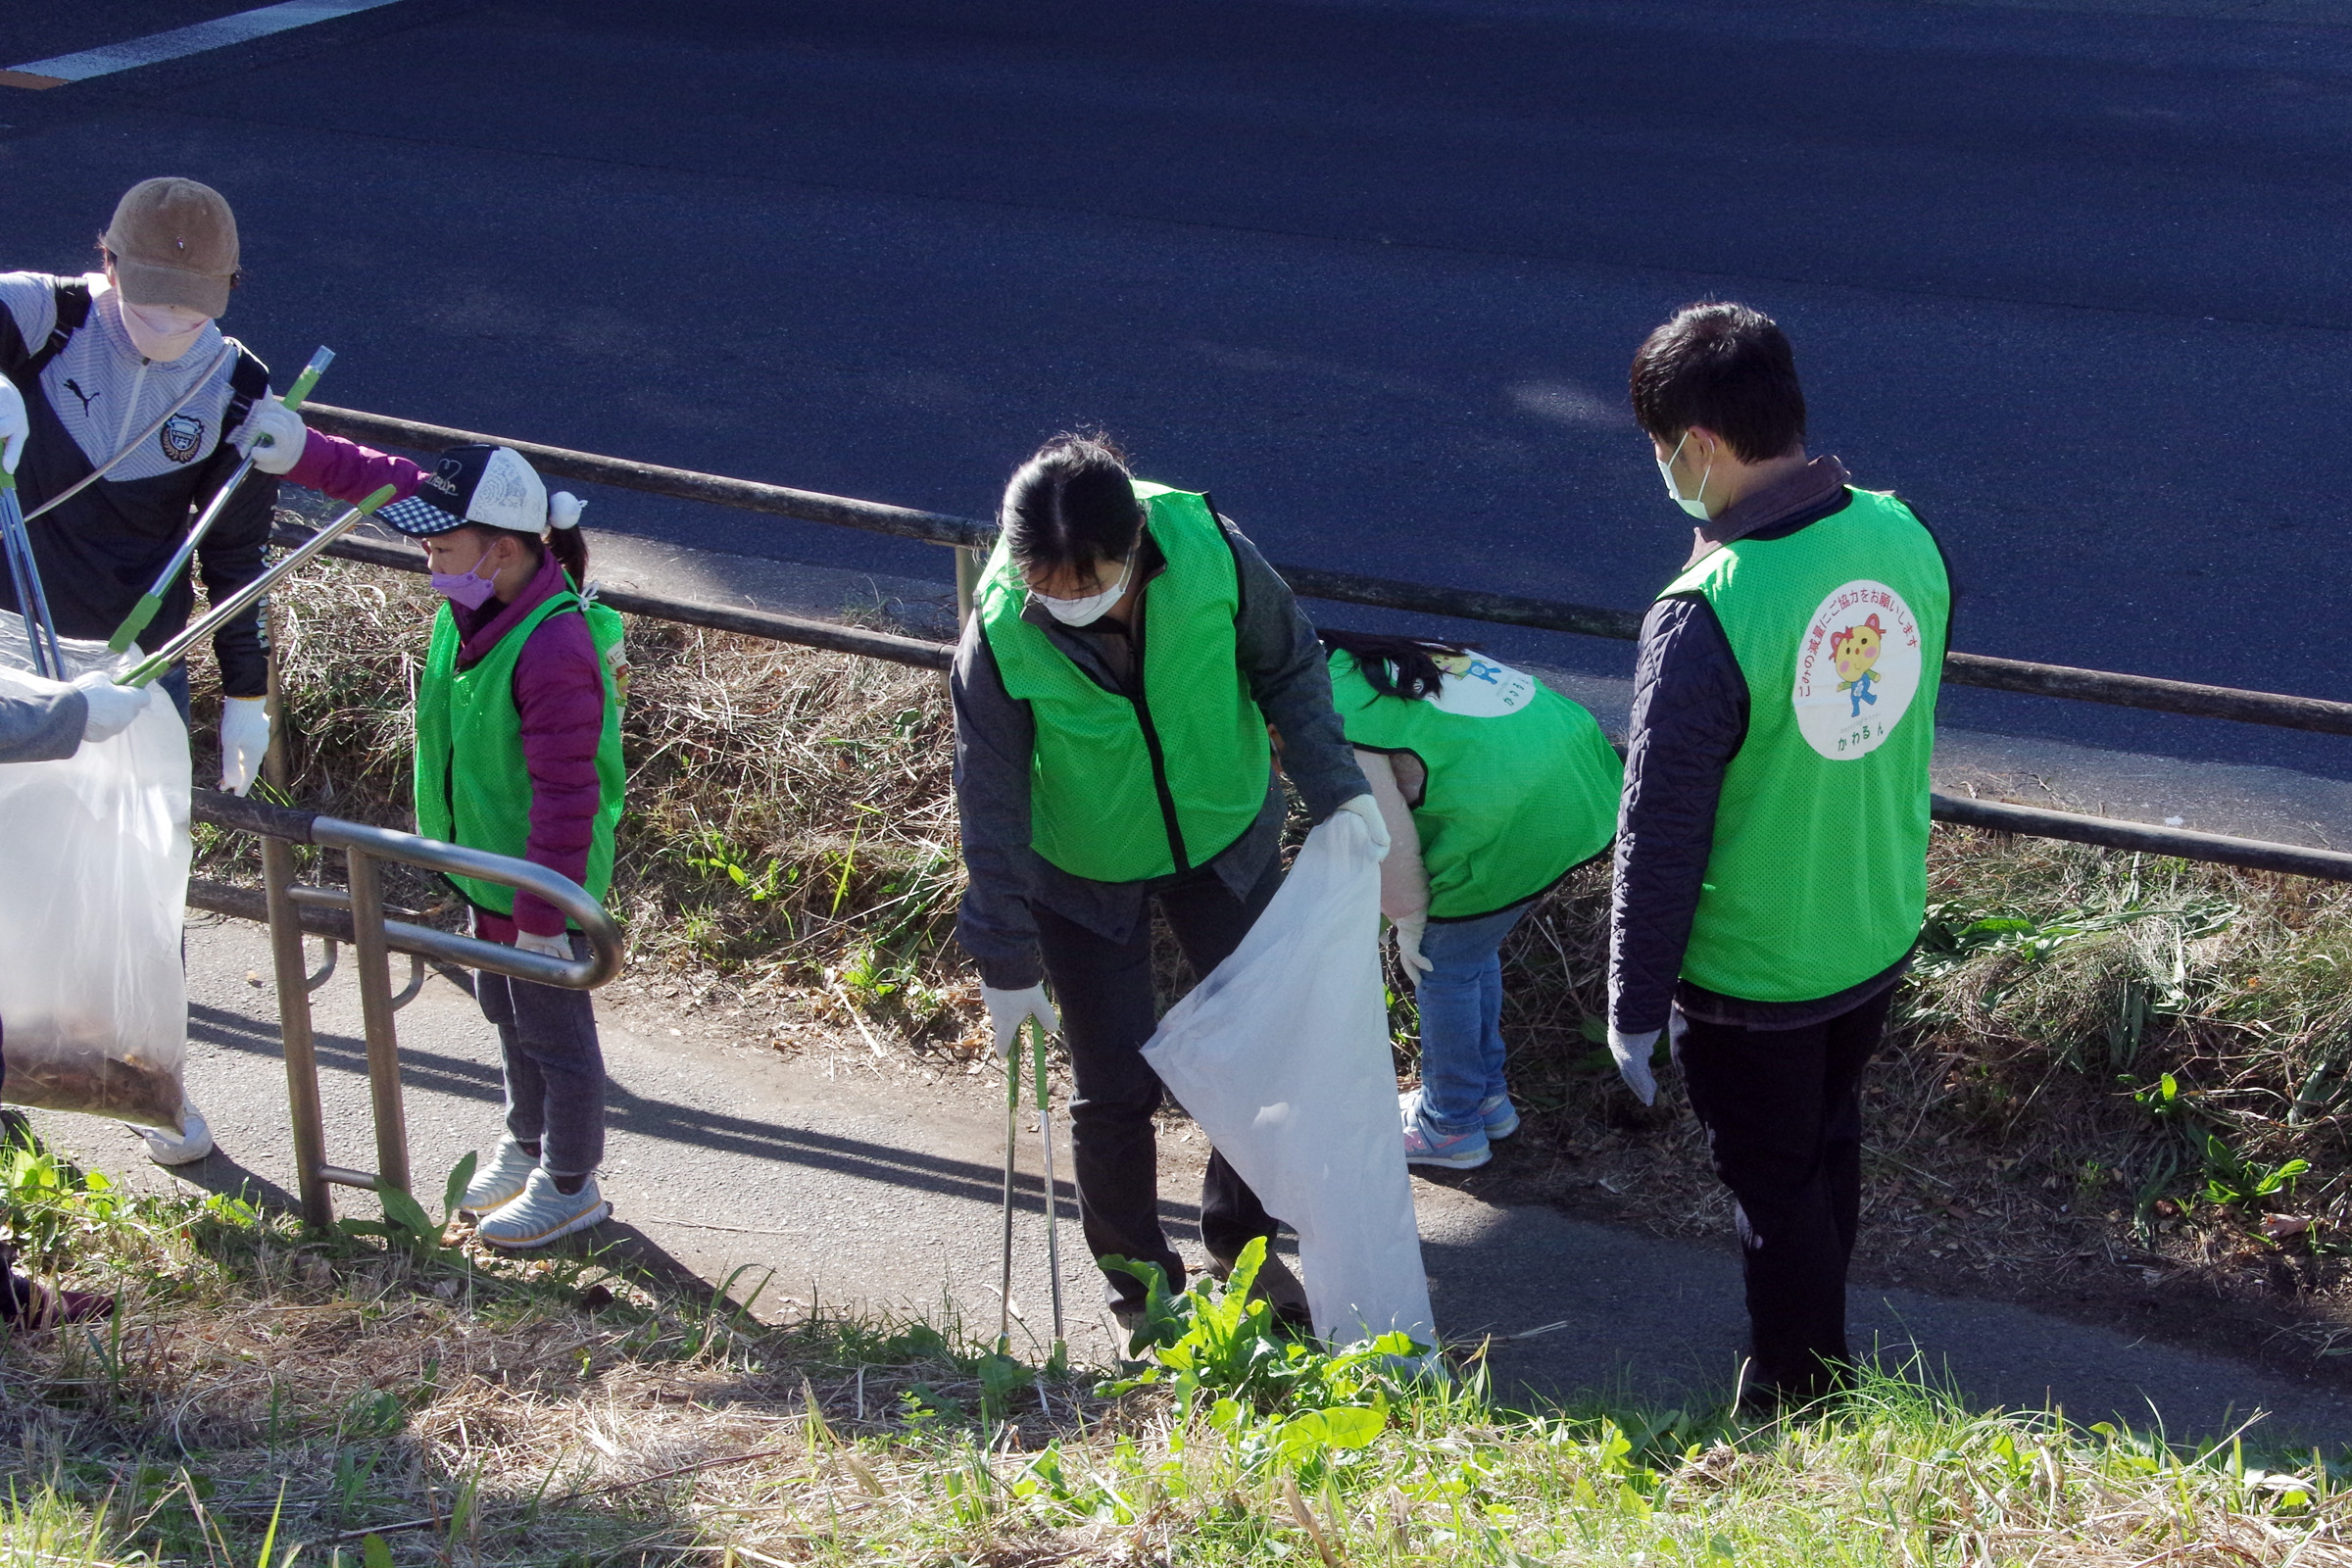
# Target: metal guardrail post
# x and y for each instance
(292, 971)
(374, 940)
(968, 583)
(374, 966)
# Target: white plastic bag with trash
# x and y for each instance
(93, 892)
(1281, 1056)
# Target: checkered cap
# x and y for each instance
(483, 484)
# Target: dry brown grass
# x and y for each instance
(789, 850)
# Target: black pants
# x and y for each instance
(1104, 992)
(555, 1067)
(1782, 1111)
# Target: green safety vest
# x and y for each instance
(1818, 877)
(1121, 787)
(1522, 783)
(486, 805)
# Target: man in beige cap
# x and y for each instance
(91, 364)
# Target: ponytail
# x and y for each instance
(1394, 666)
(563, 535)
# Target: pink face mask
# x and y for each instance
(464, 588)
(163, 333)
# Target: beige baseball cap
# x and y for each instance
(175, 242)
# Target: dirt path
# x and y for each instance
(850, 1178)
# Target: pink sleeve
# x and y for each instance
(351, 472)
(560, 697)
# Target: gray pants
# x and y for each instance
(555, 1067)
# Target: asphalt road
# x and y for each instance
(2070, 275)
(862, 1181)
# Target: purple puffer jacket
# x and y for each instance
(560, 694)
(558, 687)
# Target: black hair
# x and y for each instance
(571, 551)
(1071, 507)
(1395, 666)
(1725, 367)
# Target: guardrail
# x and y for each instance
(359, 908)
(2066, 681)
(2076, 827)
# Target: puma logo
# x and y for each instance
(87, 398)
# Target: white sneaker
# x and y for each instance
(499, 1182)
(542, 1213)
(167, 1147)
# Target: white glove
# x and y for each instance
(271, 436)
(15, 426)
(1633, 1054)
(1007, 1010)
(111, 706)
(557, 946)
(244, 737)
(1365, 807)
(1408, 946)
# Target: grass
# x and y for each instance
(268, 1397)
(2092, 1044)
(2108, 1071)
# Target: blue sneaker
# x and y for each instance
(1424, 1144)
(1500, 1116)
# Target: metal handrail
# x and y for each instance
(827, 634)
(2153, 692)
(2073, 826)
(2120, 833)
(595, 922)
(373, 938)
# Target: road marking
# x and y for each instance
(218, 33)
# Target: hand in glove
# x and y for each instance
(1408, 946)
(273, 436)
(1007, 1010)
(244, 737)
(1365, 807)
(557, 946)
(15, 426)
(111, 706)
(1633, 1054)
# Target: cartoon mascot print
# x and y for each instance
(1855, 651)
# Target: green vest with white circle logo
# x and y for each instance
(484, 802)
(1126, 787)
(1522, 784)
(1818, 878)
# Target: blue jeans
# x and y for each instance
(1461, 1018)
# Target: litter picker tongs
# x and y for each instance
(33, 602)
(163, 658)
(1045, 1126)
(153, 598)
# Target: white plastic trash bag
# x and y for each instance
(1282, 1056)
(93, 891)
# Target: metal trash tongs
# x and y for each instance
(1045, 1125)
(32, 600)
(153, 598)
(173, 652)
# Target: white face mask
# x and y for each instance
(163, 333)
(1090, 608)
(1696, 504)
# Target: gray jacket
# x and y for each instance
(995, 736)
(43, 728)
